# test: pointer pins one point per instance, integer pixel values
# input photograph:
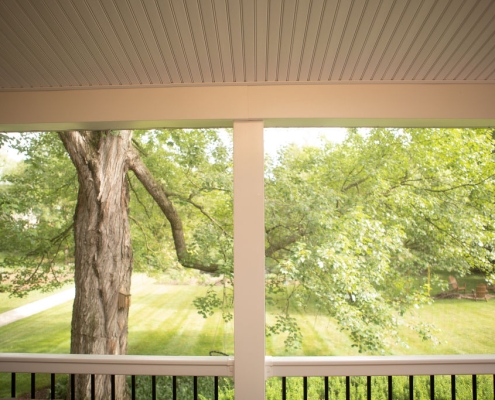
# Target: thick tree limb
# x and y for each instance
(158, 194)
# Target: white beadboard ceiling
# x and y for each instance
(107, 43)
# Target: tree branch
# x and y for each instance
(202, 210)
(355, 184)
(53, 241)
(158, 194)
(274, 247)
(453, 187)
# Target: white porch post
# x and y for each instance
(249, 261)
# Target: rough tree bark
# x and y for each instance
(103, 252)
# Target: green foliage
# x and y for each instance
(207, 304)
(38, 198)
(37, 201)
(285, 324)
(195, 170)
(354, 226)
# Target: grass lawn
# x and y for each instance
(462, 327)
(163, 321)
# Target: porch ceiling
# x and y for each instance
(53, 44)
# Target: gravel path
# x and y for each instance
(36, 307)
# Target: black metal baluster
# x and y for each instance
(133, 387)
(112, 384)
(33, 386)
(411, 387)
(493, 387)
(195, 386)
(284, 388)
(390, 388)
(93, 387)
(327, 388)
(305, 387)
(12, 384)
(216, 387)
(52, 386)
(72, 387)
(432, 387)
(347, 388)
(368, 387)
(174, 388)
(475, 388)
(153, 387)
(452, 387)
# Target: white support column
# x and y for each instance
(249, 261)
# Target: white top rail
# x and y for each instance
(117, 365)
(381, 365)
(224, 366)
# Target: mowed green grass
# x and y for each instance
(163, 321)
(460, 327)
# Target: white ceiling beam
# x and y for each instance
(427, 105)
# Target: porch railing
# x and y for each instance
(386, 368)
(283, 368)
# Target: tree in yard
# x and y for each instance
(102, 237)
(362, 221)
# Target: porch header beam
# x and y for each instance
(421, 105)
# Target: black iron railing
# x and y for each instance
(367, 388)
(392, 378)
(177, 389)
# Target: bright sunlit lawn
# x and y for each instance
(163, 321)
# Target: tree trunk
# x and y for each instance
(103, 252)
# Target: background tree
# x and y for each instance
(362, 221)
